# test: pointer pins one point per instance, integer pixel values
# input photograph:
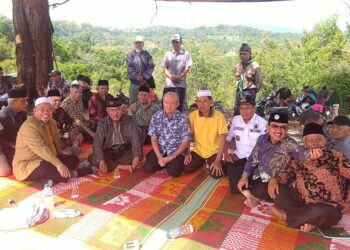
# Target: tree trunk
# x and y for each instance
(33, 31)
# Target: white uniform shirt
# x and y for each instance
(246, 134)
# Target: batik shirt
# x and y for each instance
(321, 180)
(169, 132)
(75, 110)
(267, 159)
(143, 115)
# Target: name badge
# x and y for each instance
(238, 128)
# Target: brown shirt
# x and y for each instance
(321, 180)
(252, 75)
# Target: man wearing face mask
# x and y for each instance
(248, 75)
(140, 68)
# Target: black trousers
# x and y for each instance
(181, 92)
(234, 173)
(298, 213)
(197, 162)
(46, 171)
(173, 168)
(113, 161)
(9, 153)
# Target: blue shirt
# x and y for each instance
(169, 132)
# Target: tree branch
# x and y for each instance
(55, 5)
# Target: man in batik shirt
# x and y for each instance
(318, 198)
(169, 131)
(270, 155)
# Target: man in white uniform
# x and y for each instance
(245, 130)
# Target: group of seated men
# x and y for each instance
(307, 184)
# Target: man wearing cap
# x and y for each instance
(73, 105)
(170, 138)
(57, 82)
(85, 83)
(38, 154)
(142, 112)
(208, 130)
(270, 155)
(117, 142)
(11, 119)
(318, 198)
(245, 130)
(70, 133)
(176, 65)
(140, 68)
(248, 75)
(340, 133)
(97, 103)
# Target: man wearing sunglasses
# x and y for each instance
(270, 155)
(11, 119)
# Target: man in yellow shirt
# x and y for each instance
(209, 130)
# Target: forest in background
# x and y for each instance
(317, 58)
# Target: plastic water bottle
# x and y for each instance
(180, 231)
(48, 196)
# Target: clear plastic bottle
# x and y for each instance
(75, 192)
(180, 231)
(48, 196)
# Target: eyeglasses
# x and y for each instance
(275, 127)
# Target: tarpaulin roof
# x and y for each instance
(223, 1)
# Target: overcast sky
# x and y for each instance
(295, 15)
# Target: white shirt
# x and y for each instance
(246, 134)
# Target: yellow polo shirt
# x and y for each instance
(206, 132)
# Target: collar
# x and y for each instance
(182, 51)
(177, 112)
(211, 112)
(138, 105)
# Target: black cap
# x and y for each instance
(247, 99)
(84, 79)
(17, 93)
(278, 117)
(102, 82)
(55, 72)
(313, 128)
(53, 92)
(341, 120)
(113, 102)
(245, 47)
(144, 88)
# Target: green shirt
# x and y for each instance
(143, 115)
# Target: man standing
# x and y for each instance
(11, 119)
(248, 75)
(142, 112)
(319, 195)
(170, 138)
(140, 69)
(117, 143)
(270, 155)
(57, 82)
(245, 130)
(73, 105)
(38, 154)
(97, 103)
(209, 130)
(176, 65)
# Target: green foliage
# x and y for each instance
(317, 58)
